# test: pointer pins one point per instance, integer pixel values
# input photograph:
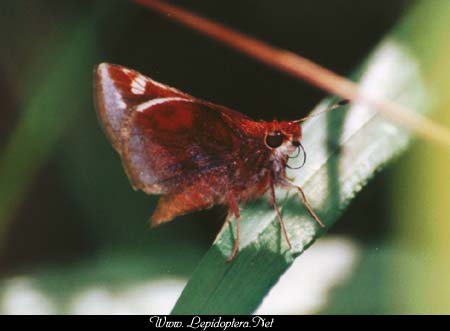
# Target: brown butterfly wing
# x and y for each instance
(174, 142)
(170, 142)
(117, 91)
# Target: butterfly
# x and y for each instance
(193, 153)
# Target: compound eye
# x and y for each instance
(274, 139)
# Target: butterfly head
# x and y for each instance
(284, 137)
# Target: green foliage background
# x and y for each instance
(69, 220)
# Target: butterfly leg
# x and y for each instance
(277, 209)
(234, 208)
(305, 202)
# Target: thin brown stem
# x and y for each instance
(305, 69)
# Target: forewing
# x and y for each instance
(117, 91)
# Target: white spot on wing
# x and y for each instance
(158, 101)
(138, 85)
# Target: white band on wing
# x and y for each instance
(158, 101)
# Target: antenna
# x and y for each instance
(332, 107)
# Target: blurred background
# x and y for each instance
(75, 237)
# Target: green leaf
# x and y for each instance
(53, 104)
(345, 149)
(45, 116)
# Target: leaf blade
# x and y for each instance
(347, 150)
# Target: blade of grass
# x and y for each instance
(345, 150)
(47, 113)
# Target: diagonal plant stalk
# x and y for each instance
(306, 70)
(345, 149)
